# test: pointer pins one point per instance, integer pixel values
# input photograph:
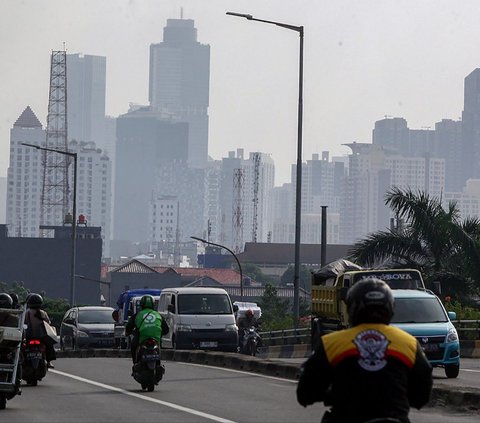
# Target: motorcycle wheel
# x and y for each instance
(251, 348)
(150, 388)
(3, 401)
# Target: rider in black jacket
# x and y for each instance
(370, 370)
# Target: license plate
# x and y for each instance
(33, 355)
(430, 347)
(152, 357)
(208, 344)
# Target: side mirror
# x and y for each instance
(452, 315)
(171, 308)
(69, 321)
(235, 308)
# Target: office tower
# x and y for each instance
(3, 199)
(179, 83)
(86, 81)
(25, 181)
(471, 127)
(145, 140)
(25, 176)
(448, 146)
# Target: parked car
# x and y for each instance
(422, 314)
(87, 327)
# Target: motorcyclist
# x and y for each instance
(146, 323)
(370, 370)
(34, 319)
(14, 296)
(244, 323)
(10, 320)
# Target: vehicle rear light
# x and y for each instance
(150, 342)
(34, 342)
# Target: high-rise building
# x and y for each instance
(25, 181)
(86, 82)
(373, 171)
(145, 140)
(179, 83)
(471, 127)
(3, 199)
(25, 176)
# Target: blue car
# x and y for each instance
(421, 314)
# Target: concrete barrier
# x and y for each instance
(470, 349)
(454, 396)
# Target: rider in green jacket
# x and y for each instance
(145, 324)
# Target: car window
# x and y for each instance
(95, 316)
(204, 304)
(418, 310)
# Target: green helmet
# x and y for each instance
(147, 301)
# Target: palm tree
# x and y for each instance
(433, 240)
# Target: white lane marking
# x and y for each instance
(470, 370)
(145, 398)
(238, 371)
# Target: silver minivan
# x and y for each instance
(198, 318)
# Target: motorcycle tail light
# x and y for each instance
(34, 342)
(150, 342)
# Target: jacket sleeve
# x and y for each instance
(315, 378)
(130, 326)
(420, 383)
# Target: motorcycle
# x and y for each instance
(251, 339)
(148, 370)
(10, 344)
(34, 361)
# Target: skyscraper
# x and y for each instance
(471, 126)
(86, 81)
(179, 83)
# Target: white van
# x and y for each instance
(198, 317)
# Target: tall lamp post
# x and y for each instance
(74, 214)
(298, 201)
(233, 254)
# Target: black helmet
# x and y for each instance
(5, 300)
(370, 301)
(34, 301)
(147, 301)
(14, 299)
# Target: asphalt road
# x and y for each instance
(101, 389)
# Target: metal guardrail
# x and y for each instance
(470, 329)
(286, 337)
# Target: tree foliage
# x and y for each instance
(276, 312)
(433, 240)
(304, 277)
(254, 272)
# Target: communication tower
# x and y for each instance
(237, 215)
(55, 188)
(256, 170)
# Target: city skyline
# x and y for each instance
(407, 59)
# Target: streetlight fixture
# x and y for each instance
(233, 254)
(74, 214)
(298, 201)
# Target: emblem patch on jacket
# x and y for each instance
(372, 347)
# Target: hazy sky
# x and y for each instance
(363, 59)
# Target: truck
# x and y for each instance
(329, 292)
(127, 305)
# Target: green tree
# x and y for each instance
(254, 272)
(433, 240)
(305, 275)
(275, 310)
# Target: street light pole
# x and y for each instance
(233, 254)
(298, 198)
(74, 214)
